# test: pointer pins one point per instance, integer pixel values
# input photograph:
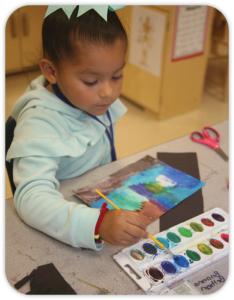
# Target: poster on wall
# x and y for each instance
(146, 39)
(190, 30)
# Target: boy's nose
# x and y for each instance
(106, 90)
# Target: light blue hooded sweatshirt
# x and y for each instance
(54, 141)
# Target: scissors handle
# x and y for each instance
(211, 142)
(207, 135)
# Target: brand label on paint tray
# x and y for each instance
(180, 288)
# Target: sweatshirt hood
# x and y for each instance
(36, 95)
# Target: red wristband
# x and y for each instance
(99, 221)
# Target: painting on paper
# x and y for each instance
(148, 186)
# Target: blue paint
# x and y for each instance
(133, 192)
(168, 267)
(163, 241)
(191, 261)
(140, 189)
(98, 204)
(149, 248)
(181, 261)
(162, 202)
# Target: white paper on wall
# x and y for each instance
(189, 31)
(146, 39)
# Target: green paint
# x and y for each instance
(193, 255)
(196, 227)
(155, 187)
(173, 237)
(128, 200)
(185, 232)
(205, 249)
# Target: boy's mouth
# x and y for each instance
(103, 105)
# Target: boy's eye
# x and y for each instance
(90, 83)
(116, 78)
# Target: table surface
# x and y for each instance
(95, 272)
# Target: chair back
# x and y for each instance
(9, 134)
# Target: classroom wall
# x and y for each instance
(176, 88)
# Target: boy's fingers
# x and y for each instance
(130, 238)
(136, 232)
(135, 219)
(127, 243)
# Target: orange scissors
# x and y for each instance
(205, 137)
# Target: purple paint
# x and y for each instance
(140, 189)
(218, 217)
(158, 204)
(168, 267)
(181, 261)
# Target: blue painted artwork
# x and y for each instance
(149, 186)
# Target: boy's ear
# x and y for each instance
(48, 70)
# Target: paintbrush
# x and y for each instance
(152, 238)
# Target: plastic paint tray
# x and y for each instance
(199, 241)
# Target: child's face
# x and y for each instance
(95, 81)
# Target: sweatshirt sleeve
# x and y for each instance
(41, 206)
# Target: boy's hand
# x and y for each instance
(122, 228)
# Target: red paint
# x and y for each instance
(207, 222)
(217, 244)
(225, 237)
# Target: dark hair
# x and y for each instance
(59, 34)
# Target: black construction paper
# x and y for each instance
(46, 280)
(191, 206)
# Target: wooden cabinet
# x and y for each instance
(179, 87)
(218, 63)
(23, 46)
(12, 43)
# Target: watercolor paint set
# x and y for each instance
(195, 244)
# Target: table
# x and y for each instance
(95, 272)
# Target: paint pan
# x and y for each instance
(225, 237)
(137, 254)
(205, 249)
(195, 243)
(174, 238)
(185, 232)
(194, 256)
(168, 267)
(218, 217)
(216, 244)
(163, 241)
(196, 227)
(149, 248)
(207, 222)
(181, 261)
(155, 274)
